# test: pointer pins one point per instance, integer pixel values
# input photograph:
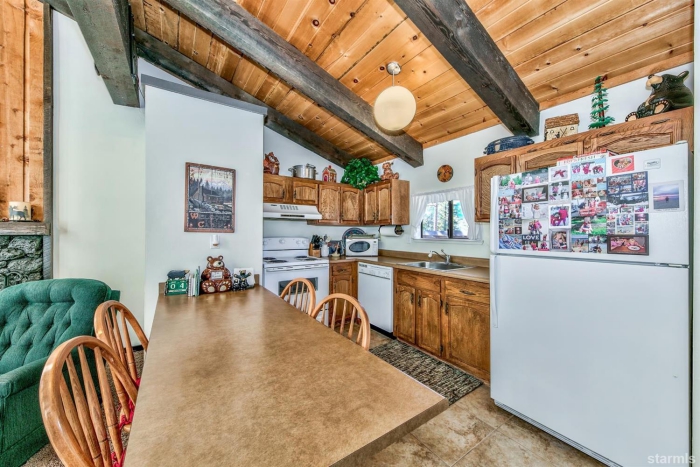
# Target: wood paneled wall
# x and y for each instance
(22, 105)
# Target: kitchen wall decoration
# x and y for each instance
(445, 173)
(210, 194)
(558, 127)
(667, 93)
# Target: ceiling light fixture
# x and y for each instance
(395, 106)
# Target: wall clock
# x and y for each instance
(444, 173)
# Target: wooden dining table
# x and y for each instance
(243, 378)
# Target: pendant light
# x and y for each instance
(395, 106)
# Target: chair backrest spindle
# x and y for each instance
(300, 293)
(351, 311)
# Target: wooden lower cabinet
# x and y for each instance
(405, 313)
(467, 336)
(344, 278)
(448, 318)
(428, 312)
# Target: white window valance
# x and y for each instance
(465, 196)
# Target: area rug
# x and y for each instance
(446, 380)
(47, 457)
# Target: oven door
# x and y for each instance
(275, 279)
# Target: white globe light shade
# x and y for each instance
(394, 108)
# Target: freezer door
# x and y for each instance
(669, 231)
(597, 352)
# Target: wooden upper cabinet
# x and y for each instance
(646, 133)
(350, 205)
(547, 157)
(387, 203)
(466, 335)
(304, 192)
(405, 313)
(370, 205)
(428, 311)
(276, 189)
(485, 168)
(329, 203)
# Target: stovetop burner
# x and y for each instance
(273, 260)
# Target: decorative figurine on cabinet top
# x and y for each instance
(667, 93)
(216, 277)
(329, 174)
(271, 165)
(388, 173)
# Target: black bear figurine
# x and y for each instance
(667, 93)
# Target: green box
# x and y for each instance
(176, 287)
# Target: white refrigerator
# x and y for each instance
(595, 348)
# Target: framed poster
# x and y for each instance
(210, 198)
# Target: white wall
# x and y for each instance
(99, 178)
(182, 129)
(289, 154)
(461, 152)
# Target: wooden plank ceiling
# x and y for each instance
(557, 47)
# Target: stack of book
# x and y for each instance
(193, 281)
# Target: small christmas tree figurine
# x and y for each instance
(599, 105)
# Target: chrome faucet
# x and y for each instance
(443, 255)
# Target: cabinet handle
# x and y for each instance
(570, 142)
(284, 193)
(411, 299)
(420, 299)
(295, 194)
(447, 308)
(606, 133)
(466, 292)
(660, 121)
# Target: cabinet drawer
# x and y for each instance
(420, 281)
(339, 269)
(467, 290)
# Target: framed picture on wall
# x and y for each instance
(210, 198)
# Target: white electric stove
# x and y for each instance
(286, 259)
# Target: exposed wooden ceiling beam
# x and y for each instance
(106, 26)
(168, 59)
(453, 28)
(232, 23)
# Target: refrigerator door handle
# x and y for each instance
(495, 181)
(493, 291)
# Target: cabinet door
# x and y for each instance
(646, 133)
(350, 206)
(467, 336)
(428, 312)
(370, 211)
(547, 157)
(405, 314)
(384, 203)
(276, 189)
(485, 168)
(304, 192)
(329, 204)
(342, 284)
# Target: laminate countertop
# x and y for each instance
(243, 378)
(470, 273)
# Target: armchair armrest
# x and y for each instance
(21, 378)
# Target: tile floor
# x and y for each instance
(474, 432)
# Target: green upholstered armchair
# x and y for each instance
(35, 317)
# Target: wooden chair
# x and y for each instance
(340, 310)
(111, 327)
(300, 293)
(83, 431)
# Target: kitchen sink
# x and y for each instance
(441, 266)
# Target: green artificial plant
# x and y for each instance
(599, 105)
(360, 173)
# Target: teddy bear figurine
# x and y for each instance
(216, 278)
(667, 93)
(389, 174)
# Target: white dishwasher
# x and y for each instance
(375, 291)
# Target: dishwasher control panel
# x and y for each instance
(377, 271)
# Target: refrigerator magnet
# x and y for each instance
(560, 173)
(637, 245)
(667, 196)
(559, 215)
(560, 240)
(622, 164)
(535, 177)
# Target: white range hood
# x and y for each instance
(290, 212)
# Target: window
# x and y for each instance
(444, 220)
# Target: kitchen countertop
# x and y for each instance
(472, 273)
(243, 378)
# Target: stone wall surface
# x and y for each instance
(21, 258)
